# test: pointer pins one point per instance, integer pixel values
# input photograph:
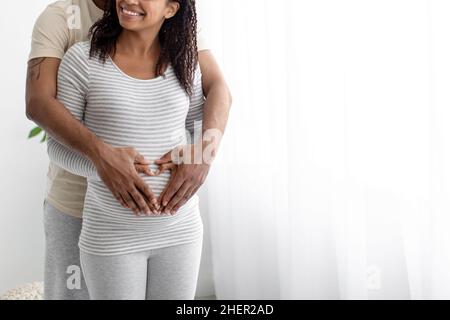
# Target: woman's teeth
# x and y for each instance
(131, 13)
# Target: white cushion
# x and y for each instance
(31, 291)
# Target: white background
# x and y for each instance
(23, 163)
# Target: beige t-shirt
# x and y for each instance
(61, 25)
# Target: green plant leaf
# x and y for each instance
(34, 132)
(44, 138)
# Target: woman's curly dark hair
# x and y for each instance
(178, 38)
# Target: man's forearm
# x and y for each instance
(215, 113)
(59, 123)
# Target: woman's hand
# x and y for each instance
(189, 172)
(118, 168)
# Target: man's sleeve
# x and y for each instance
(50, 36)
(202, 42)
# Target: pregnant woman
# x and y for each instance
(136, 83)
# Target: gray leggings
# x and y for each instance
(168, 273)
(63, 279)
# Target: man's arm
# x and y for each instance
(188, 178)
(218, 95)
(115, 166)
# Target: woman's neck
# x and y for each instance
(139, 44)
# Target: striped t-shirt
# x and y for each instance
(154, 116)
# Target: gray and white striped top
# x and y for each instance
(153, 116)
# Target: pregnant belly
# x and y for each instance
(158, 183)
(102, 211)
(99, 193)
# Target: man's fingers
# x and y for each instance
(179, 195)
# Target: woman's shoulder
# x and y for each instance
(79, 50)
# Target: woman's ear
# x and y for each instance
(174, 6)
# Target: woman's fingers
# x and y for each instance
(180, 198)
(138, 158)
(155, 206)
(165, 167)
(130, 203)
(170, 156)
(121, 200)
(163, 193)
(145, 169)
(165, 158)
(151, 199)
(188, 195)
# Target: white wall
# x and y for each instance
(23, 162)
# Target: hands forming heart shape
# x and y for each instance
(117, 168)
(145, 168)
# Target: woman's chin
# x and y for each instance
(130, 25)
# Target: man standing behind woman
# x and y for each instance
(116, 166)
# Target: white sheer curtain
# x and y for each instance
(333, 179)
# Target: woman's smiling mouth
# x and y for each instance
(130, 13)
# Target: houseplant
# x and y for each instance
(36, 132)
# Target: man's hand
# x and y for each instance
(118, 168)
(187, 177)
